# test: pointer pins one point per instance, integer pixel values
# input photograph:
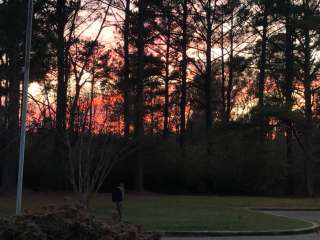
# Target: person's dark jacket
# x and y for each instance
(117, 195)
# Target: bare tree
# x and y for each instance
(90, 161)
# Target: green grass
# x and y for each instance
(179, 213)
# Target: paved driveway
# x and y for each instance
(303, 215)
(289, 237)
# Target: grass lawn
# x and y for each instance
(179, 213)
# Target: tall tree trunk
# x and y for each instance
(6, 99)
(166, 79)
(14, 96)
(9, 168)
(126, 70)
(74, 107)
(61, 108)
(263, 58)
(308, 114)
(289, 75)
(92, 97)
(208, 88)
(262, 73)
(62, 82)
(139, 123)
(183, 97)
(2, 84)
(231, 71)
(223, 76)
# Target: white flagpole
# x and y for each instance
(24, 106)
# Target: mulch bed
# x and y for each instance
(68, 223)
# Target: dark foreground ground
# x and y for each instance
(182, 213)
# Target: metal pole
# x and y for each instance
(24, 106)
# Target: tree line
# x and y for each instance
(185, 72)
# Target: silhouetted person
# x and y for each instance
(117, 198)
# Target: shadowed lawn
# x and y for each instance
(165, 212)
